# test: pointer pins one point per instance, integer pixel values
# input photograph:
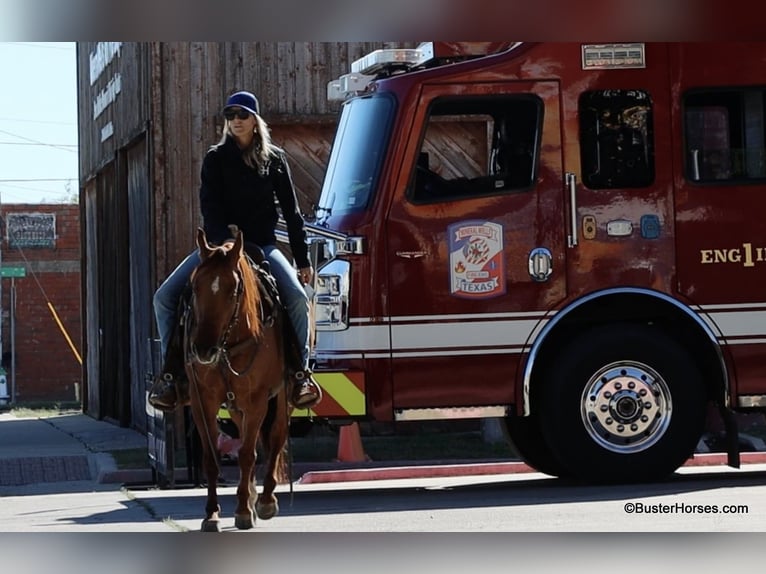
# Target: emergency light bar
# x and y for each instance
(347, 84)
(364, 70)
(384, 61)
(391, 59)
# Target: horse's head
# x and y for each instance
(217, 287)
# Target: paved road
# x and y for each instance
(504, 503)
(499, 503)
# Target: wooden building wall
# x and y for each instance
(147, 114)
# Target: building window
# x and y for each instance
(478, 146)
(616, 139)
(724, 135)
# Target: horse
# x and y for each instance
(234, 355)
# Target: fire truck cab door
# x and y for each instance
(476, 238)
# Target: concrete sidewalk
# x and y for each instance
(63, 448)
(39, 455)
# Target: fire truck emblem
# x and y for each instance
(477, 267)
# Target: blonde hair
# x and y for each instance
(261, 151)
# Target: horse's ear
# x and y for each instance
(204, 246)
(239, 243)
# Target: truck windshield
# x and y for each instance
(356, 156)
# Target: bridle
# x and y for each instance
(222, 350)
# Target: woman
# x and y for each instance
(240, 178)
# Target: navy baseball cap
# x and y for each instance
(244, 100)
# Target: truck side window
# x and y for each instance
(725, 135)
(616, 139)
(478, 146)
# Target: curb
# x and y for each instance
(403, 470)
(437, 471)
(427, 471)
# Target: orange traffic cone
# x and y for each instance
(350, 444)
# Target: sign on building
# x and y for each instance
(31, 230)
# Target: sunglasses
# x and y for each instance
(240, 113)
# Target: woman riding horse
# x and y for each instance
(240, 179)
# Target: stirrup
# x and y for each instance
(306, 391)
(163, 395)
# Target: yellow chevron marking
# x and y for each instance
(303, 413)
(343, 391)
(336, 385)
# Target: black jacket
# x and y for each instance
(233, 193)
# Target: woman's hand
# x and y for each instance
(306, 274)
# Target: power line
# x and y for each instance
(31, 179)
(38, 144)
(26, 121)
(28, 188)
(46, 45)
(34, 141)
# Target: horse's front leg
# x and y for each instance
(243, 515)
(212, 520)
(206, 426)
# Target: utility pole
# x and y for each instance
(1, 282)
(3, 377)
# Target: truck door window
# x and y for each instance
(616, 139)
(725, 135)
(478, 146)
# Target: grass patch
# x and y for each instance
(421, 447)
(45, 409)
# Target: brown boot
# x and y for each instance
(169, 392)
(306, 392)
(163, 395)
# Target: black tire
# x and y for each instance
(642, 414)
(527, 440)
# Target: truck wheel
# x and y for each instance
(527, 439)
(623, 403)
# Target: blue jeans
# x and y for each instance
(292, 293)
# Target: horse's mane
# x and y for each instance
(251, 296)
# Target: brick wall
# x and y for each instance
(47, 245)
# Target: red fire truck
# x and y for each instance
(566, 236)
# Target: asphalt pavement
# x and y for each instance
(58, 474)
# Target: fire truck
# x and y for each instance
(569, 237)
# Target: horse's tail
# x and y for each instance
(282, 469)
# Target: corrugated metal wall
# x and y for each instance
(147, 114)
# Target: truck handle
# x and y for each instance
(571, 181)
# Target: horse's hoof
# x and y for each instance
(211, 525)
(243, 521)
(266, 511)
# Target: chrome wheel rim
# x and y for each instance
(626, 407)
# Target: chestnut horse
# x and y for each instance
(234, 354)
